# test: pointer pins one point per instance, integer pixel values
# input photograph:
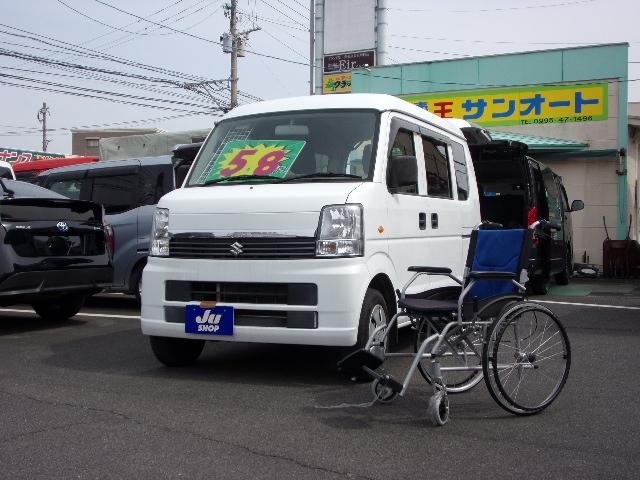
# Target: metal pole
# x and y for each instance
(234, 54)
(382, 28)
(319, 44)
(312, 48)
(42, 117)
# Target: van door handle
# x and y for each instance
(434, 220)
(422, 220)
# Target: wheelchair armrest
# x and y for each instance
(434, 270)
(492, 275)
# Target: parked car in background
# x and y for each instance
(128, 190)
(516, 190)
(29, 171)
(54, 251)
(6, 171)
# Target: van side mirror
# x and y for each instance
(577, 205)
(402, 172)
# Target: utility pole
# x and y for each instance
(233, 43)
(382, 29)
(312, 47)
(233, 20)
(42, 118)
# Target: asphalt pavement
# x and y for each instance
(86, 399)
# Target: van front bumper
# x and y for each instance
(341, 285)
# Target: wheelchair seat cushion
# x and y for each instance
(425, 305)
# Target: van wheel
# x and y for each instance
(176, 352)
(539, 285)
(60, 308)
(563, 277)
(373, 314)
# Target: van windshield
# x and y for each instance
(309, 146)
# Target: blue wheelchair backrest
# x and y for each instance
(497, 251)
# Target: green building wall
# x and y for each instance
(517, 69)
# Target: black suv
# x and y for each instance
(53, 251)
(516, 190)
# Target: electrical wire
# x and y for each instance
(306, 17)
(284, 44)
(273, 8)
(498, 9)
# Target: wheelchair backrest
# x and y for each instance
(497, 251)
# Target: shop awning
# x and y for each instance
(540, 144)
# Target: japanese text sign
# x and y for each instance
(256, 157)
(520, 106)
(15, 155)
(336, 83)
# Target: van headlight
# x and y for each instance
(341, 232)
(160, 235)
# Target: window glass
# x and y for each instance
(155, 181)
(553, 196)
(436, 163)
(460, 167)
(403, 146)
(69, 188)
(311, 146)
(117, 193)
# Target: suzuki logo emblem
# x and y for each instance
(236, 249)
(62, 226)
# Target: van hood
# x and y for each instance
(268, 209)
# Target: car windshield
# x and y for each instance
(289, 147)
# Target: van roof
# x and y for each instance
(159, 160)
(375, 101)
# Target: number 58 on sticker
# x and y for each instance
(257, 158)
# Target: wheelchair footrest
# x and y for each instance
(353, 363)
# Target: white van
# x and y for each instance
(299, 219)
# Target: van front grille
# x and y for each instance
(241, 248)
(240, 292)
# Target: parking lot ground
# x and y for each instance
(86, 399)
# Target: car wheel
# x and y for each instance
(373, 314)
(176, 352)
(539, 285)
(135, 285)
(60, 308)
(563, 277)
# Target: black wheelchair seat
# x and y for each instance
(426, 305)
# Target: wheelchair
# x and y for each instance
(484, 328)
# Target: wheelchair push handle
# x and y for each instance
(539, 224)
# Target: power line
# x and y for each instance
(499, 9)
(508, 42)
(284, 44)
(273, 57)
(96, 20)
(276, 22)
(279, 11)
(28, 130)
(304, 16)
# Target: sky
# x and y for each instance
(419, 30)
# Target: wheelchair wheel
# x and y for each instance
(383, 393)
(438, 409)
(469, 343)
(526, 359)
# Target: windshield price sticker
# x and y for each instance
(256, 157)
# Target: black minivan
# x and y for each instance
(515, 190)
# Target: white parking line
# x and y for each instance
(100, 315)
(620, 307)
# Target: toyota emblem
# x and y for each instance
(62, 226)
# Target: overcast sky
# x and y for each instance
(448, 30)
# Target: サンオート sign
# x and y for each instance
(520, 106)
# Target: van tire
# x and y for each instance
(539, 285)
(372, 299)
(176, 352)
(136, 280)
(60, 308)
(563, 277)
